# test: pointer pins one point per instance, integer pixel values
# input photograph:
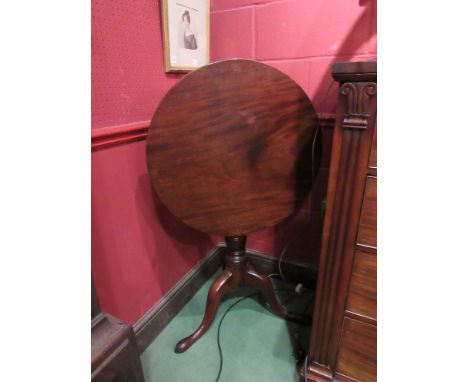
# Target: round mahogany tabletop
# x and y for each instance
(229, 148)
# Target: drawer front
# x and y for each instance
(367, 233)
(357, 357)
(362, 297)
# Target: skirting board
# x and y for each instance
(294, 272)
(148, 327)
(156, 319)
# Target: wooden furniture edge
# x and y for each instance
(316, 373)
(105, 352)
(320, 373)
(359, 71)
(348, 160)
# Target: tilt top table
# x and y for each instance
(229, 152)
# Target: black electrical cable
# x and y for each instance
(305, 368)
(220, 369)
(219, 331)
(299, 348)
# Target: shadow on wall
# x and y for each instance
(169, 235)
(301, 232)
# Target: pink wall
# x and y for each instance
(302, 38)
(139, 250)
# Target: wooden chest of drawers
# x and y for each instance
(343, 344)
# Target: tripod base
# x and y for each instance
(237, 273)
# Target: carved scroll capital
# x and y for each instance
(357, 96)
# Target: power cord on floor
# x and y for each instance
(305, 368)
(218, 339)
(219, 331)
(301, 349)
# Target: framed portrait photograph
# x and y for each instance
(186, 34)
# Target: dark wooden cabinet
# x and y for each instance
(114, 353)
(343, 343)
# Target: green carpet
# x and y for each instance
(257, 346)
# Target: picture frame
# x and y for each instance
(186, 34)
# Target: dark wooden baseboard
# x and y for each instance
(148, 327)
(293, 272)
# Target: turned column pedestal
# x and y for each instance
(237, 273)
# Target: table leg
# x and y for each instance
(218, 289)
